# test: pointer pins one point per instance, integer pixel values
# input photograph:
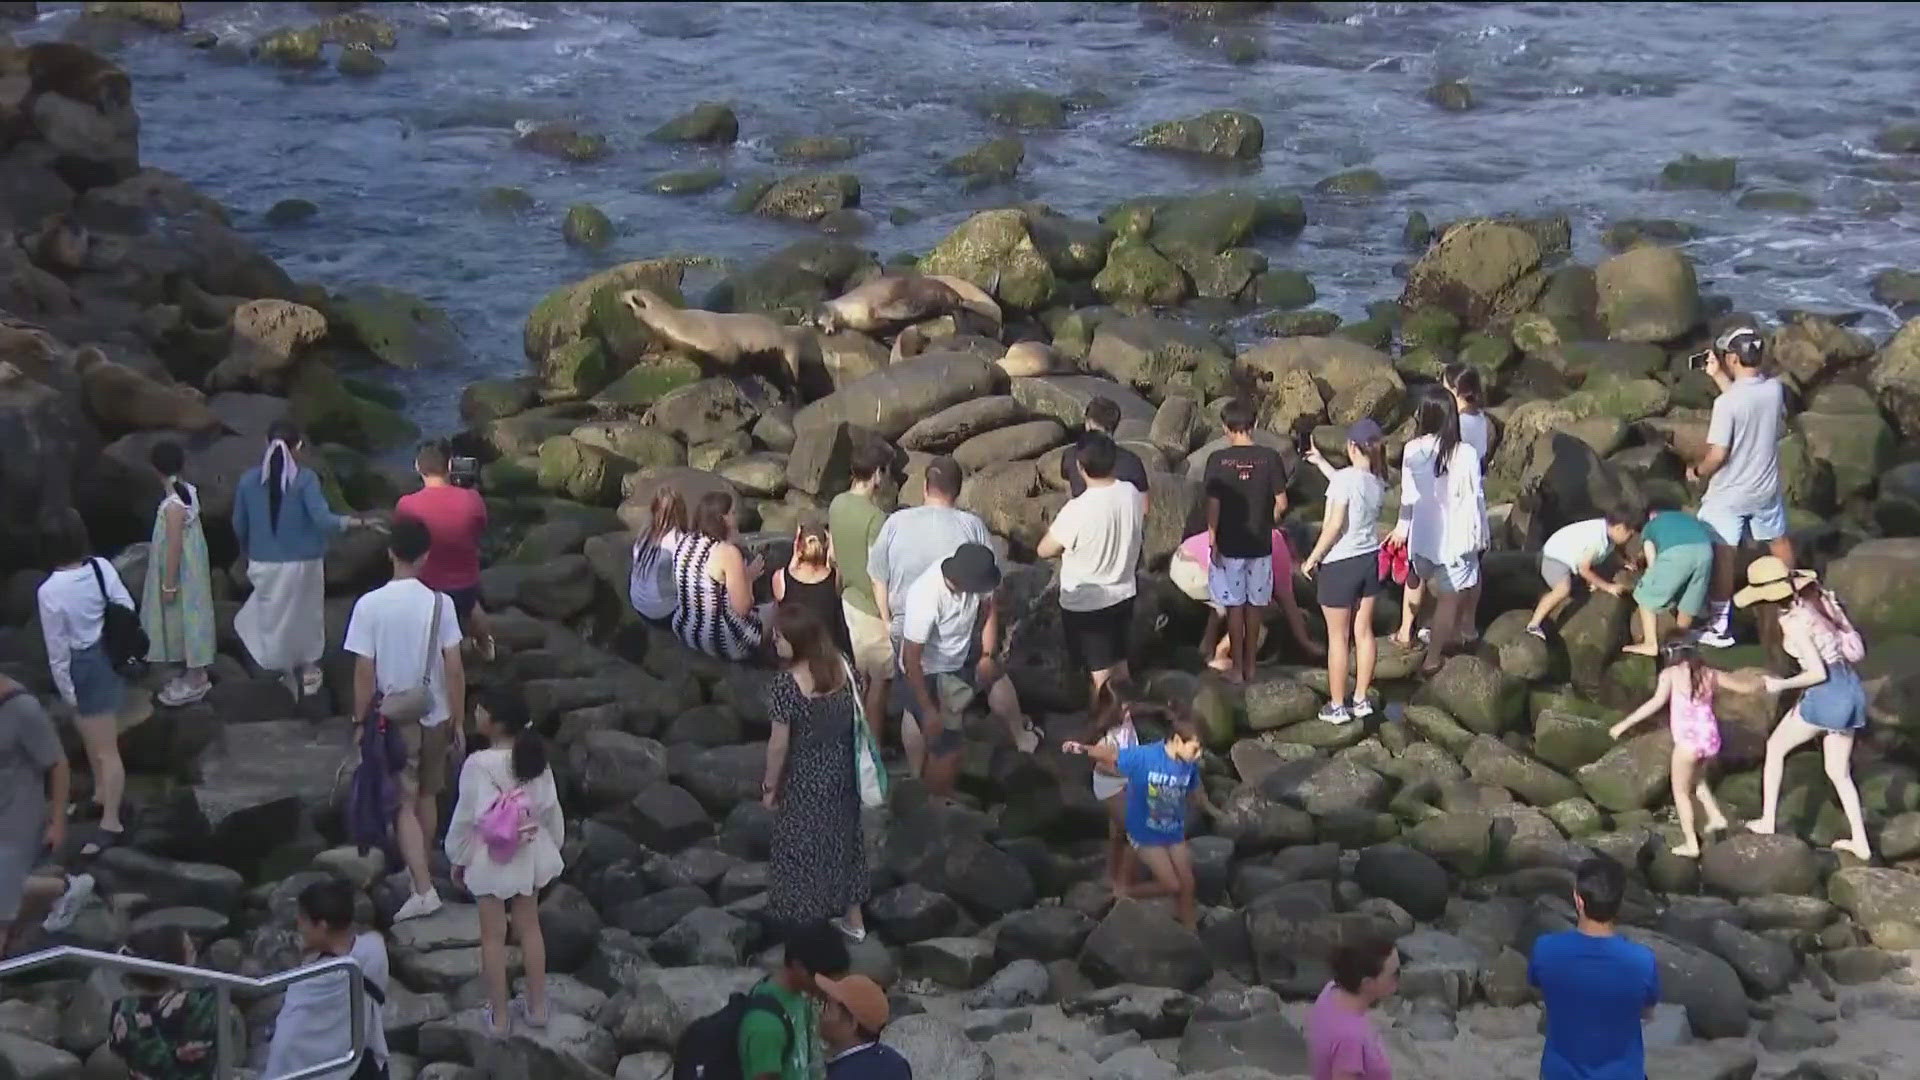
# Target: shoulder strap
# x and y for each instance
(759, 1002)
(433, 640)
(99, 579)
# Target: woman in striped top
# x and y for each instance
(714, 581)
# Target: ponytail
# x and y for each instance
(1438, 417)
(278, 468)
(169, 460)
(508, 713)
(529, 754)
(1374, 454)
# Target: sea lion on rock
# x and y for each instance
(1028, 358)
(886, 303)
(725, 339)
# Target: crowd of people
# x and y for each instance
(878, 616)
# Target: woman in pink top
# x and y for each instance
(1341, 1042)
(1196, 552)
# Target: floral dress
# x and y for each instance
(168, 1036)
(819, 864)
(179, 628)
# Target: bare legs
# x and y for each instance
(1119, 852)
(1409, 612)
(413, 828)
(493, 959)
(1792, 733)
(1339, 653)
(1690, 784)
(1243, 624)
(1172, 868)
(101, 737)
(1551, 602)
(1446, 628)
(1297, 622)
(533, 955)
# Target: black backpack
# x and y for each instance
(121, 635)
(710, 1047)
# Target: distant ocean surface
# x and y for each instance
(1577, 108)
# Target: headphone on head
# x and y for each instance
(1744, 342)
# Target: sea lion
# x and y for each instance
(726, 339)
(61, 246)
(886, 303)
(1028, 358)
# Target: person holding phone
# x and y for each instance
(1741, 467)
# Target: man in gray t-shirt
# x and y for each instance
(1741, 467)
(914, 539)
(33, 804)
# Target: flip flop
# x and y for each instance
(102, 840)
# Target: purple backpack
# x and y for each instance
(373, 796)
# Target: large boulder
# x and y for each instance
(1879, 581)
(591, 309)
(399, 328)
(258, 786)
(935, 1047)
(709, 409)
(948, 428)
(1895, 378)
(1886, 902)
(1491, 761)
(893, 399)
(1647, 294)
(1480, 270)
(996, 250)
(1752, 865)
(1140, 943)
(46, 438)
(1145, 351)
(1704, 984)
(1478, 694)
(1631, 776)
(1353, 380)
(1410, 878)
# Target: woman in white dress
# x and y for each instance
(504, 844)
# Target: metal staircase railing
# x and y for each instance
(224, 985)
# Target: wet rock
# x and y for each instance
(891, 400)
(1776, 200)
(399, 328)
(1491, 761)
(992, 161)
(1139, 273)
(1715, 1001)
(1140, 943)
(1451, 95)
(1689, 171)
(1750, 865)
(585, 225)
(805, 196)
(997, 250)
(1647, 294)
(709, 122)
(360, 62)
(1568, 742)
(1224, 133)
(1477, 695)
(687, 181)
(297, 47)
(1354, 182)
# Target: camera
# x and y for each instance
(464, 471)
(1698, 361)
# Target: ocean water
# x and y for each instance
(1578, 107)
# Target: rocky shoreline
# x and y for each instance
(131, 311)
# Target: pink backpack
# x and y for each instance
(507, 824)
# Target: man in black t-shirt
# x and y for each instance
(1103, 416)
(1246, 486)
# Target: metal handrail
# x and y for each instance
(224, 985)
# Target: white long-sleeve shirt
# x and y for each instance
(73, 615)
(1446, 515)
(313, 1024)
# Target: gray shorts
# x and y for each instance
(1554, 571)
(17, 860)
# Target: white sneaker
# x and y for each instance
(419, 905)
(67, 908)
(1717, 639)
(1360, 709)
(855, 934)
(1333, 712)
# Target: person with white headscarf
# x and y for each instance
(283, 523)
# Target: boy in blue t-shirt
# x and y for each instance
(1161, 778)
(1597, 986)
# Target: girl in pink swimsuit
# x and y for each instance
(1685, 688)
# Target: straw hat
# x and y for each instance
(1768, 579)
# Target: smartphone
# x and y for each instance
(1303, 441)
(1698, 361)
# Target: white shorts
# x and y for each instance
(1240, 582)
(1106, 787)
(1731, 528)
(1448, 578)
(872, 642)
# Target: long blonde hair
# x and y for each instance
(810, 544)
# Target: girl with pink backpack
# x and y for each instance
(504, 844)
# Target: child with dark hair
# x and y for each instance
(1341, 1042)
(504, 843)
(316, 1014)
(1113, 727)
(1162, 778)
(176, 609)
(1572, 551)
(1685, 689)
(163, 1030)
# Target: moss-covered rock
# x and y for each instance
(505, 199)
(1480, 270)
(1689, 171)
(583, 473)
(802, 196)
(575, 370)
(1076, 250)
(359, 62)
(1777, 201)
(363, 29)
(816, 149)
(709, 123)
(1359, 183)
(1478, 695)
(292, 47)
(644, 445)
(1633, 232)
(1138, 272)
(1647, 294)
(1279, 703)
(1489, 352)
(1312, 322)
(687, 181)
(650, 380)
(990, 162)
(1025, 108)
(996, 250)
(592, 308)
(1287, 289)
(1231, 275)
(398, 327)
(1857, 446)
(1226, 133)
(320, 403)
(1632, 775)
(1373, 333)
(290, 212)
(1626, 400)
(491, 399)
(157, 14)
(1432, 327)
(586, 226)
(563, 140)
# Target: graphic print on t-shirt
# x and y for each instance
(1157, 788)
(1244, 480)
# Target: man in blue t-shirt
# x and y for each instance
(1597, 986)
(1161, 778)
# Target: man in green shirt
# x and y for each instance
(770, 1049)
(853, 520)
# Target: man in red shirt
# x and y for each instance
(455, 517)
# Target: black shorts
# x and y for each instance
(1343, 584)
(464, 601)
(1098, 640)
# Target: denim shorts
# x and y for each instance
(97, 688)
(1732, 527)
(1839, 704)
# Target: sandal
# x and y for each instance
(311, 680)
(102, 840)
(524, 1012)
(1027, 728)
(494, 1030)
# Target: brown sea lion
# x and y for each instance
(725, 339)
(886, 303)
